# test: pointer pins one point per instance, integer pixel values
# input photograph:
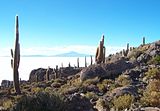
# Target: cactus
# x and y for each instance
(91, 60)
(47, 74)
(127, 46)
(144, 41)
(85, 62)
(62, 65)
(69, 64)
(56, 72)
(100, 52)
(16, 60)
(104, 52)
(78, 62)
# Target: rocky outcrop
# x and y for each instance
(6, 83)
(124, 90)
(38, 75)
(68, 71)
(110, 70)
(76, 102)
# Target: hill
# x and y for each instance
(128, 80)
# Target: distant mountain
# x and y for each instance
(68, 54)
(71, 54)
(34, 56)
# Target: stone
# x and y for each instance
(132, 90)
(76, 102)
(110, 70)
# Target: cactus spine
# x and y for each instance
(100, 52)
(16, 60)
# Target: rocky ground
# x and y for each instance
(130, 83)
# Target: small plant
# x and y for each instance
(123, 80)
(7, 104)
(153, 73)
(91, 95)
(41, 101)
(155, 60)
(91, 81)
(123, 102)
(102, 104)
(151, 97)
(36, 90)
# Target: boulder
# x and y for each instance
(76, 102)
(6, 83)
(150, 109)
(132, 90)
(110, 70)
(38, 75)
(68, 71)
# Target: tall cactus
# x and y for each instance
(144, 41)
(78, 62)
(85, 61)
(91, 60)
(100, 52)
(16, 60)
(47, 73)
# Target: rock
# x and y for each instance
(144, 58)
(6, 83)
(110, 70)
(136, 72)
(68, 71)
(150, 109)
(124, 90)
(76, 102)
(56, 85)
(38, 74)
(41, 73)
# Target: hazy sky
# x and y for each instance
(55, 26)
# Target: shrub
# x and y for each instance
(123, 80)
(155, 60)
(91, 81)
(123, 102)
(102, 104)
(42, 101)
(7, 104)
(153, 73)
(36, 89)
(151, 97)
(91, 95)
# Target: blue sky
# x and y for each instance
(56, 26)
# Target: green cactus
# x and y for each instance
(78, 62)
(100, 52)
(85, 62)
(91, 60)
(144, 41)
(16, 60)
(47, 74)
(56, 72)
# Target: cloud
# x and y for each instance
(85, 49)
